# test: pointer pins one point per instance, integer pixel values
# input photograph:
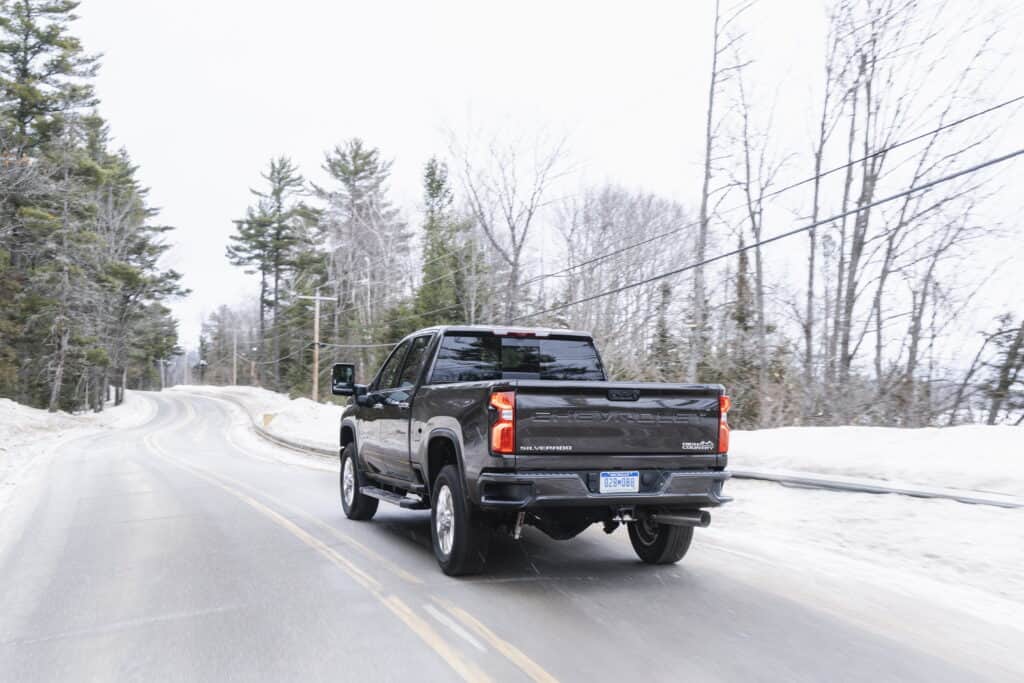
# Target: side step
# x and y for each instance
(407, 501)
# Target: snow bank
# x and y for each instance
(975, 457)
(300, 419)
(27, 433)
(308, 421)
(965, 557)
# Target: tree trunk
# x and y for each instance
(696, 358)
(58, 373)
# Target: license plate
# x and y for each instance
(620, 482)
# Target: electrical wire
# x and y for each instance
(615, 252)
(776, 238)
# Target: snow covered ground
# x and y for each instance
(27, 435)
(965, 557)
(975, 457)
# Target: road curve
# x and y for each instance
(182, 550)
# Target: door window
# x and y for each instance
(414, 362)
(389, 373)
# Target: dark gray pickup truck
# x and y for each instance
(496, 428)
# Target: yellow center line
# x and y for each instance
(466, 669)
(531, 668)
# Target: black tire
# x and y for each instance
(357, 506)
(659, 543)
(469, 538)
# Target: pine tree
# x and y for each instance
(739, 372)
(367, 242)
(273, 240)
(664, 350)
(437, 299)
(43, 71)
(78, 254)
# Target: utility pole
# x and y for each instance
(234, 359)
(315, 393)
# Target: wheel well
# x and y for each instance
(347, 436)
(440, 452)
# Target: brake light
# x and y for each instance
(503, 431)
(724, 403)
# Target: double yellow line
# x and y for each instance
(465, 668)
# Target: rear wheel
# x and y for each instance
(356, 505)
(659, 543)
(460, 537)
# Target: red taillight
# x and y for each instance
(503, 430)
(723, 424)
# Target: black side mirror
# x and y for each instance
(343, 379)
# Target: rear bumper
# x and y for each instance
(522, 490)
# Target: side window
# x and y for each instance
(414, 362)
(467, 358)
(389, 373)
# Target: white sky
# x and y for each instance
(202, 94)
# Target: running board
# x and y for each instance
(406, 501)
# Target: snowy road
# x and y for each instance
(186, 549)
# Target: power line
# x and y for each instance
(662, 235)
(775, 193)
(776, 238)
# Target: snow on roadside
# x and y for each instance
(965, 557)
(974, 457)
(300, 419)
(27, 433)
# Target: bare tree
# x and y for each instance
(758, 170)
(722, 42)
(505, 194)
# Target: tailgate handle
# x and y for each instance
(623, 394)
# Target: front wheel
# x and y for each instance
(356, 505)
(659, 543)
(459, 537)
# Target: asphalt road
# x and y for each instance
(179, 551)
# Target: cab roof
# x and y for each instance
(506, 330)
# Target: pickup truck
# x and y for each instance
(496, 428)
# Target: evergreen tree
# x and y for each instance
(739, 370)
(367, 243)
(273, 239)
(44, 71)
(664, 350)
(78, 253)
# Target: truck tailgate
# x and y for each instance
(616, 418)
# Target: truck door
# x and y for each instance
(371, 416)
(394, 418)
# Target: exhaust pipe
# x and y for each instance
(701, 518)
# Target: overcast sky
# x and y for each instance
(202, 94)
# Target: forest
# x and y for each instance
(82, 289)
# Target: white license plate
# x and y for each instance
(620, 482)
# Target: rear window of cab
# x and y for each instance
(478, 357)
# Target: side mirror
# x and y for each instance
(343, 379)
